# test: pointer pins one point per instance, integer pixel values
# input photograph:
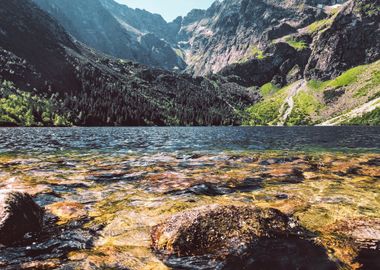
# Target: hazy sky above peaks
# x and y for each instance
(169, 9)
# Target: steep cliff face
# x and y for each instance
(338, 82)
(37, 55)
(352, 39)
(347, 37)
(203, 42)
(233, 30)
(282, 64)
(116, 30)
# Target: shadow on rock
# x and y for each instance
(53, 242)
(28, 234)
(369, 259)
(282, 254)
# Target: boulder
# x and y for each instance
(19, 215)
(237, 236)
(217, 229)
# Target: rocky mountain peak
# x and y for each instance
(117, 30)
(352, 39)
(232, 30)
(46, 67)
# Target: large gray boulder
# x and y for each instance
(19, 215)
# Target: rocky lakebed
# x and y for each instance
(90, 207)
(251, 210)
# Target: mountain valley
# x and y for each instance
(238, 62)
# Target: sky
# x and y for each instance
(169, 9)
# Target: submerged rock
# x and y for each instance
(372, 162)
(218, 229)
(355, 241)
(237, 236)
(51, 246)
(365, 232)
(67, 211)
(211, 189)
(19, 215)
(207, 189)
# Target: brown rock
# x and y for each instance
(217, 229)
(237, 237)
(41, 265)
(67, 211)
(365, 232)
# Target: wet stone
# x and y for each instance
(350, 171)
(237, 237)
(207, 189)
(364, 236)
(114, 177)
(247, 185)
(46, 199)
(272, 161)
(372, 162)
(282, 196)
(285, 176)
(211, 189)
(52, 243)
(42, 265)
(19, 215)
(67, 211)
(192, 164)
(211, 229)
(364, 232)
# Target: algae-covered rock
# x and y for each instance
(362, 236)
(218, 229)
(364, 231)
(239, 236)
(212, 228)
(19, 215)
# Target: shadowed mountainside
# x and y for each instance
(117, 30)
(93, 89)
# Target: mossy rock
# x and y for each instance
(238, 236)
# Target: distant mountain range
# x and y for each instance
(278, 62)
(204, 41)
(90, 88)
(118, 30)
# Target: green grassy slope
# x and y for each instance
(350, 98)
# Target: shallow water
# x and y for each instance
(104, 188)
